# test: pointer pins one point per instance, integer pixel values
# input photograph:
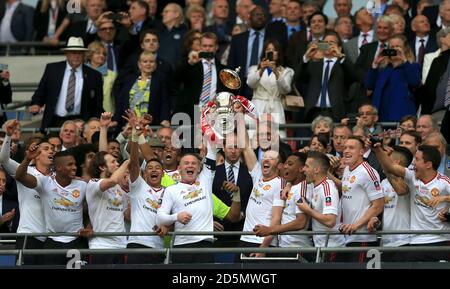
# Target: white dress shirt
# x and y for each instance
(90, 27)
(5, 28)
(61, 104)
(235, 170)
(325, 60)
(369, 38)
(251, 38)
(418, 43)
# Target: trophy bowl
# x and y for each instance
(223, 119)
(230, 78)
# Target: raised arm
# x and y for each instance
(248, 153)
(399, 185)
(10, 127)
(116, 177)
(21, 174)
(134, 157)
(105, 121)
(234, 214)
(386, 162)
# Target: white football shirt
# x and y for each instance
(63, 206)
(360, 186)
(396, 215)
(106, 214)
(290, 212)
(145, 201)
(423, 217)
(196, 199)
(326, 200)
(264, 195)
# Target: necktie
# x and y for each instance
(309, 36)
(230, 174)
(70, 97)
(110, 59)
(255, 50)
(323, 98)
(381, 48)
(92, 29)
(447, 95)
(364, 42)
(421, 54)
(206, 91)
(293, 30)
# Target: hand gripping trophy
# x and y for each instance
(218, 116)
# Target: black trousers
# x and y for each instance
(421, 256)
(143, 258)
(32, 243)
(194, 257)
(395, 256)
(78, 243)
(356, 257)
(106, 259)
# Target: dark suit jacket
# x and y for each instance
(159, 105)
(49, 88)
(430, 47)
(21, 22)
(238, 51)
(41, 21)
(296, 47)
(78, 29)
(7, 206)
(437, 70)
(341, 77)
(189, 78)
(5, 93)
(366, 56)
(432, 13)
(245, 183)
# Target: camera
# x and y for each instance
(206, 55)
(389, 52)
(376, 139)
(115, 16)
(352, 120)
(322, 45)
(269, 55)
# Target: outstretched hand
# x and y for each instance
(32, 152)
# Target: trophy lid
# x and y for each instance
(230, 78)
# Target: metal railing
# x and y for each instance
(30, 48)
(318, 251)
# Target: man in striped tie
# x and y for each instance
(198, 76)
(68, 89)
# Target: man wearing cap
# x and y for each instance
(68, 89)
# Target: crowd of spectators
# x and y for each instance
(133, 64)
